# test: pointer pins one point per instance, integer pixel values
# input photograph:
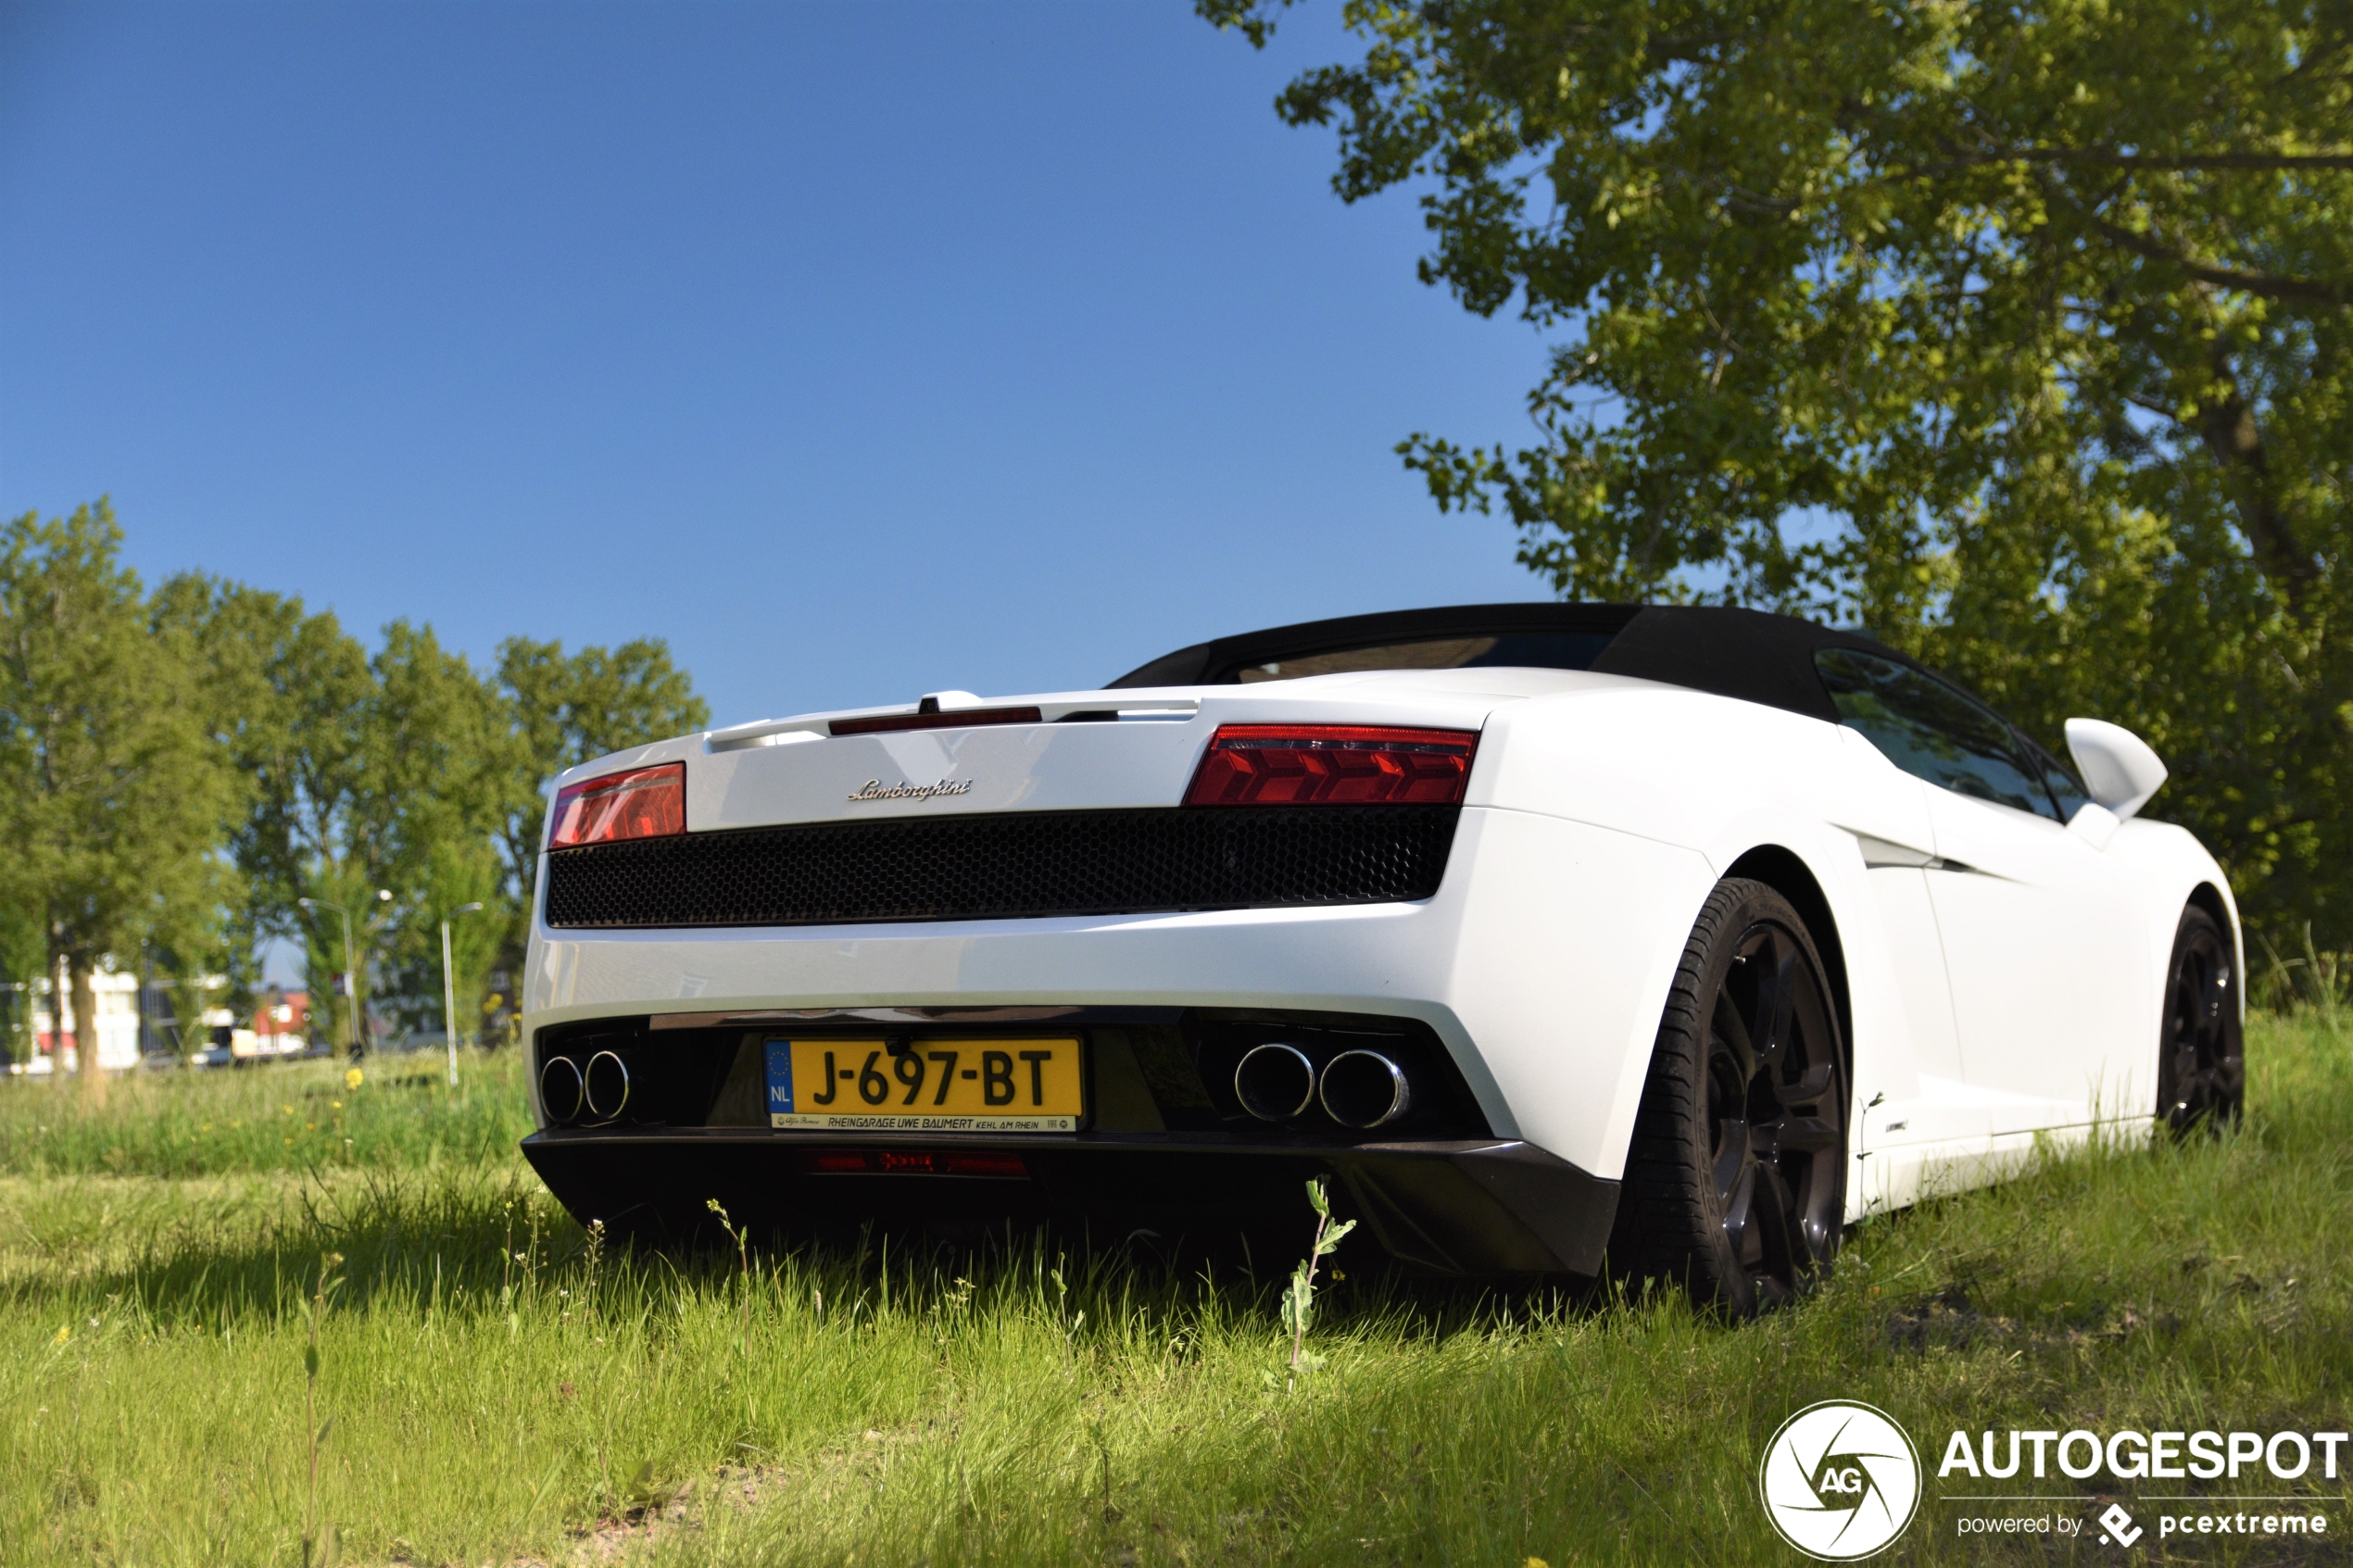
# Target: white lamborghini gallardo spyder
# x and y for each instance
(1562, 937)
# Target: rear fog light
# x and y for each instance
(915, 1162)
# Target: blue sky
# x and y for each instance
(858, 349)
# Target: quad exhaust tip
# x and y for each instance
(1275, 1082)
(606, 1088)
(1359, 1089)
(560, 1090)
(1365, 1089)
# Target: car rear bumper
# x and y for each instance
(1473, 1207)
(1541, 963)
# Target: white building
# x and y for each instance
(118, 997)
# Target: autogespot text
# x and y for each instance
(2157, 1456)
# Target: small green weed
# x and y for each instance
(1299, 1296)
(311, 1537)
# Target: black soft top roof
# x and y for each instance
(1737, 653)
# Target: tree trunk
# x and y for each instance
(59, 991)
(85, 1033)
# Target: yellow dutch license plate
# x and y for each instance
(954, 1085)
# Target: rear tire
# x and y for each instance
(2201, 1055)
(1735, 1186)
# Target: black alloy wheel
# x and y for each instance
(1735, 1186)
(2201, 1055)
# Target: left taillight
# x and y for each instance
(1333, 765)
(641, 803)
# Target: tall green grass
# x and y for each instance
(269, 1116)
(503, 1388)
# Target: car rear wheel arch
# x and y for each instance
(2208, 896)
(2201, 1073)
(1785, 873)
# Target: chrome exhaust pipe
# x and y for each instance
(607, 1087)
(1275, 1082)
(560, 1091)
(1365, 1089)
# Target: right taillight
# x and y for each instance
(1333, 765)
(641, 803)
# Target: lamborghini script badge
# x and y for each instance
(875, 790)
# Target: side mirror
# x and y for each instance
(2119, 768)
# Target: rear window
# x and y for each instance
(1525, 650)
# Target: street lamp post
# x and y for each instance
(350, 976)
(449, 991)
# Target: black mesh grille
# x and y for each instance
(1004, 866)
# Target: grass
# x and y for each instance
(501, 1387)
(287, 1116)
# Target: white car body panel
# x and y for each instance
(1985, 1006)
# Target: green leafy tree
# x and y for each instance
(440, 754)
(448, 795)
(23, 959)
(2020, 334)
(459, 871)
(286, 696)
(194, 764)
(408, 771)
(114, 799)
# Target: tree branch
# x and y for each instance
(2228, 426)
(2100, 157)
(2268, 285)
(2311, 64)
(2189, 163)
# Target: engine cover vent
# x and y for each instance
(1005, 866)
